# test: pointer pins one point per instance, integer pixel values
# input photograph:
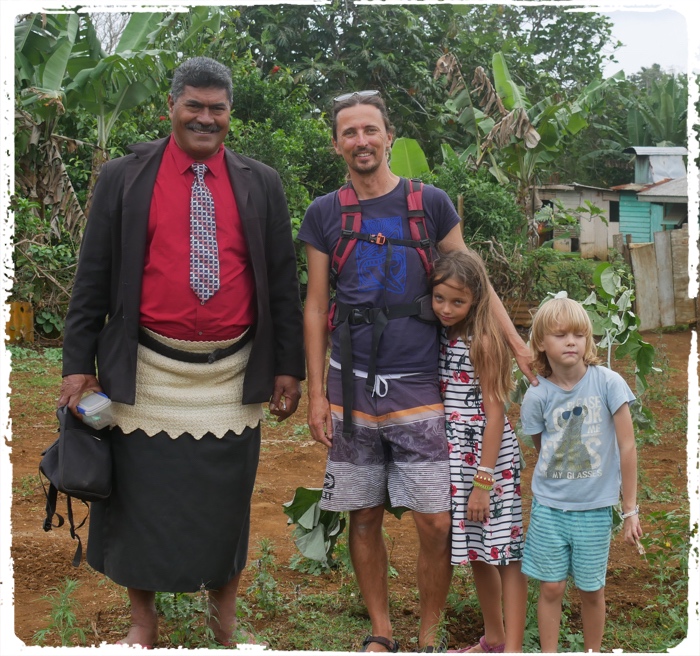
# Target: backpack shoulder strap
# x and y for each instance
(351, 222)
(51, 499)
(416, 222)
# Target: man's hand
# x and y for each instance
(285, 397)
(74, 387)
(319, 420)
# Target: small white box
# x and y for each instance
(96, 410)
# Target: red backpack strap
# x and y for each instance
(416, 222)
(351, 222)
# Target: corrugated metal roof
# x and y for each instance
(570, 187)
(656, 150)
(677, 189)
(631, 186)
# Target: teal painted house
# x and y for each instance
(658, 198)
(637, 218)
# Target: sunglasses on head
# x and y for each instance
(362, 94)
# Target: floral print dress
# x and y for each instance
(499, 540)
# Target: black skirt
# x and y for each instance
(179, 514)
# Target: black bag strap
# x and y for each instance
(73, 528)
(51, 498)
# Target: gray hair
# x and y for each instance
(201, 72)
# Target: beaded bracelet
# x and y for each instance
(487, 470)
(481, 486)
(631, 513)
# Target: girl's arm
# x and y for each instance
(628, 466)
(480, 500)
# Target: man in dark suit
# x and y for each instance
(186, 296)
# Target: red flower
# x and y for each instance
(455, 416)
(464, 377)
(274, 70)
(507, 474)
(449, 447)
(472, 554)
(517, 489)
(470, 458)
(453, 490)
(443, 386)
(461, 524)
(494, 553)
(453, 342)
(477, 418)
(162, 118)
(514, 531)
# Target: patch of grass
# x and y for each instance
(27, 485)
(63, 620)
(35, 361)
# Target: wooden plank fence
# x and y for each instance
(660, 270)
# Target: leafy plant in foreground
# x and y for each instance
(190, 615)
(316, 530)
(63, 622)
(610, 311)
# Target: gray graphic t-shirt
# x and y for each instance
(379, 276)
(579, 463)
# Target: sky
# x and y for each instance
(650, 37)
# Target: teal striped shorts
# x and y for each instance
(563, 542)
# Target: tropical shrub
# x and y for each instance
(490, 209)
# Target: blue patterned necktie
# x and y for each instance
(204, 251)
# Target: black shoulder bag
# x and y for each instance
(78, 464)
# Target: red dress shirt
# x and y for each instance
(168, 304)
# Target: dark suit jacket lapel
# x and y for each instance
(241, 181)
(139, 180)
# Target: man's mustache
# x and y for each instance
(203, 128)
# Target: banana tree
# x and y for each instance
(517, 136)
(61, 66)
(659, 119)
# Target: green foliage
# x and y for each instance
(63, 621)
(515, 135)
(190, 615)
(263, 591)
(610, 310)
(316, 530)
(667, 546)
(342, 46)
(408, 159)
(44, 258)
(490, 209)
(528, 275)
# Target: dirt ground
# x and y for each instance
(290, 459)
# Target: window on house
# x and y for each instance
(614, 211)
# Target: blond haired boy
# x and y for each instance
(579, 419)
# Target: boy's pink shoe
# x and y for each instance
(485, 647)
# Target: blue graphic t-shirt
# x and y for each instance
(369, 279)
(579, 463)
